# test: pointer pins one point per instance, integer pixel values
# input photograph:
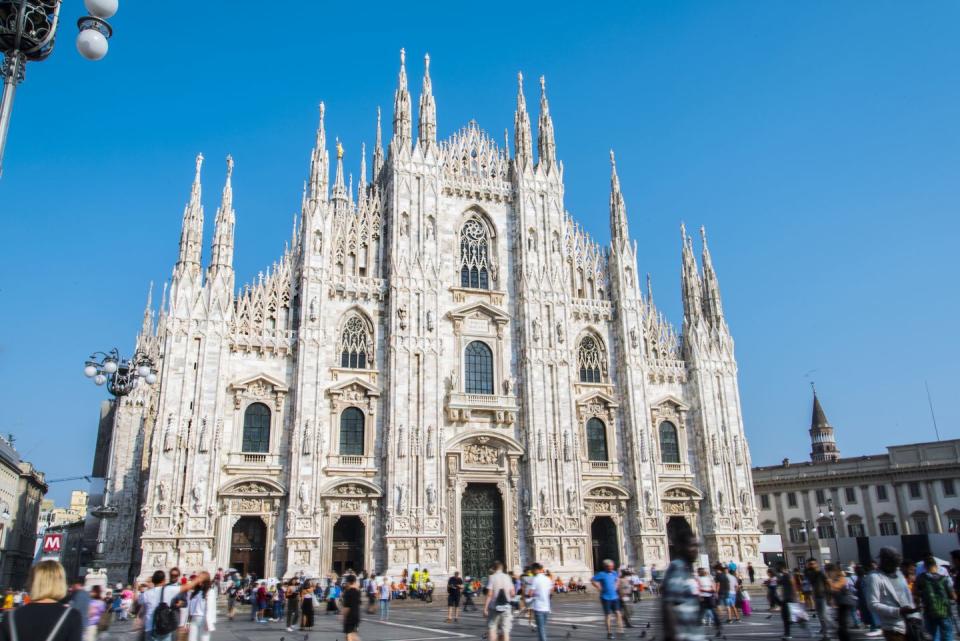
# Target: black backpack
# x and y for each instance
(166, 619)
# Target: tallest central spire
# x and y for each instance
(523, 147)
(402, 126)
(427, 127)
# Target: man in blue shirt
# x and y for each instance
(606, 582)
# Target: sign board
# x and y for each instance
(824, 550)
(52, 544)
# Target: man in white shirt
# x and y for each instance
(497, 606)
(150, 599)
(538, 599)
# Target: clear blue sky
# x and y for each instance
(817, 141)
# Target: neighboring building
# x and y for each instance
(74, 554)
(51, 515)
(21, 492)
(443, 368)
(907, 498)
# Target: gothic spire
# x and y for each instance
(546, 145)
(823, 441)
(378, 150)
(222, 250)
(427, 126)
(649, 290)
(711, 286)
(362, 185)
(401, 107)
(523, 148)
(339, 193)
(319, 163)
(619, 231)
(690, 279)
(191, 231)
(146, 328)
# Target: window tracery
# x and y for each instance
(475, 262)
(591, 360)
(356, 344)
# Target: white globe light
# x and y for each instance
(143, 370)
(102, 9)
(92, 44)
(151, 378)
(109, 366)
(90, 371)
(99, 379)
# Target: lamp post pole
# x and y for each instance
(832, 514)
(807, 531)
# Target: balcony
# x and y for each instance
(603, 467)
(351, 463)
(246, 462)
(502, 408)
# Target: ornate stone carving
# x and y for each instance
(480, 454)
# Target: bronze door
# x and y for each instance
(481, 521)
(248, 546)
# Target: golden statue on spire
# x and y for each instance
(339, 150)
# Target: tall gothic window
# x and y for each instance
(590, 359)
(474, 255)
(669, 444)
(479, 369)
(596, 440)
(356, 345)
(351, 432)
(256, 428)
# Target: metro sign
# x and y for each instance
(52, 543)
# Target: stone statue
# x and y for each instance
(633, 337)
(431, 500)
(168, 435)
(401, 443)
(313, 308)
(560, 332)
(571, 496)
(303, 495)
(402, 316)
(202, 439)
(543, 502)
(429, 320)
(307, 437)
(197, 503)
(536, 329)
(401, 500)
(567, 453)
(541, 447)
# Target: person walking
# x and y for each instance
(202, 609)
(708, 600)
(499, 594)
(352, 601)
(370, 587)
(726, 597)
(935, 593)
(79, 600)
(843, 597)
(890, 599)
(789, 608)
(680, 605)
(817, 581)
(292, 594)
(385, 596)
(751, 573)
(307, 599)
(538, 599)
(454, 592)
(160, 605)
(96, 611)
(862, 583)
(606, 582)
(625, 588)
(45, 617)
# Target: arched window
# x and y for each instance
(591, 360)
(474, 255)
(669, 444)
(479, 369)
(256, 428)
(356, 344)
(351, 432)
(596, 440)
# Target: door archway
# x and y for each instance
(606, 545)
(349, 535)
(481, 521)
(676, 526)
(248, 545)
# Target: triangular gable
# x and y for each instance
(597, 395)
(488, 310)
(670, 398)
(371, 390)
(276, 384)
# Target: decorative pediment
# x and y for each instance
(682, 493)
(354, 389)
(596, 404)
(253, 487)
(487, 439)
(606, 492)
(260, 387)
(351, 489)
(478, 318)
(670, 401)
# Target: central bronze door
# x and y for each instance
(248, 546)
(481, 527)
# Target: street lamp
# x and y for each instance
(833, 524)
(27, 31)
(807, 529)
(122, 376)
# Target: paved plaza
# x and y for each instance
(574, 617)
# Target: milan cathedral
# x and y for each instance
(441, 369)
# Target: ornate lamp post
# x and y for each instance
(833, 523)
(807, 530)
(27, 32)
(121, 375)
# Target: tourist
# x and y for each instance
(889, 597)
(292, 594)
(789, 608)
(751, 573)
(625, 588)
(680, 607)
(369, 586)
(44, 614)
(468, 592)
(351, 609)
(538, 599)
(844, 598)
(333, 593)
(637, 583)
(499, 594)
(454, 591)
(935, 593)
(160, 605)
(80, 600)
(307, 597)
(385, 593)
(232, 595)
(817, 581)
(259, 597)
(708, 599)
(726, 597)
(95, 612)
(606, 582)
(202, 609)
(773, 601)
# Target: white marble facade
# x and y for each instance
(445, 329)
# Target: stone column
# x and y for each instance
(934, 509)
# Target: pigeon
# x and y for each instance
(769, 616)
(648, 625)
(643, 634)
(573, 626)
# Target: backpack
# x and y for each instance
(166, 619)
(936, 597)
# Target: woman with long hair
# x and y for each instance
(202, 609)
(45, 617)
(95, 613)
(307, 599)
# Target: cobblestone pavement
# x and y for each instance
(574, 617)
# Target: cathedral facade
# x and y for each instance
(441, 369)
